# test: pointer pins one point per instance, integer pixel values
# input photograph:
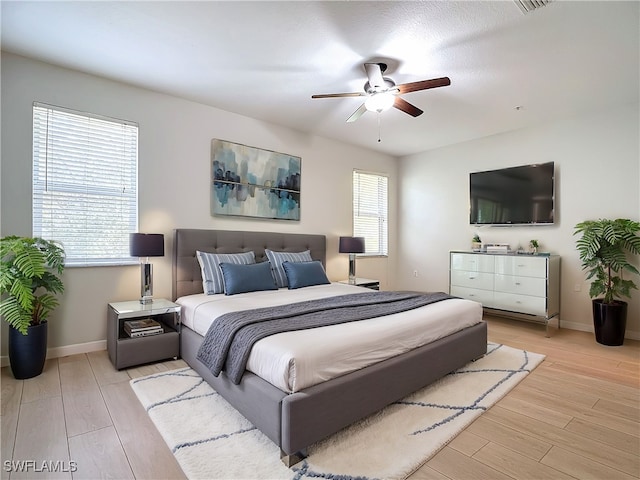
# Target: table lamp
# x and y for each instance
(352, 245)
(145, 245)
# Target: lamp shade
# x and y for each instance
(146, 245)
(351, 245)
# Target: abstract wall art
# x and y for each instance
(252, 182)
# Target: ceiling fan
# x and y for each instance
(382, 93)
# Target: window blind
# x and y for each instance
(85, 171)
(370, 207)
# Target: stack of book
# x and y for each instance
(141, 328)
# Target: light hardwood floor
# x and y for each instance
(576, 416)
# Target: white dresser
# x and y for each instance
(519, 286)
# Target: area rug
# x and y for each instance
(211, 440)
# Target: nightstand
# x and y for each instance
(365, 282)
(125, 351)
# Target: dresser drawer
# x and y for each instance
(485, 297)
(479, 280)
(472, 263)
(521, 266)
(520, 303)
(536, 287)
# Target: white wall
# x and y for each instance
(597, 160)
(174, 170)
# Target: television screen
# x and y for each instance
(512, 196)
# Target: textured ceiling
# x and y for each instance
(265, 59)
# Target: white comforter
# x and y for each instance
(293, 361)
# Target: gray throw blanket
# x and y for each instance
(228, 341)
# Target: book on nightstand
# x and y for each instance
(141, 328)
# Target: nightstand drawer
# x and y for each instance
(136, 351)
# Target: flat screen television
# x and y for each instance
(513, 196)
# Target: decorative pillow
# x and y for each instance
(276, 259)
(212, 275)
(247, 278)
(305, 274)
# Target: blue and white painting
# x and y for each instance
(251, 182)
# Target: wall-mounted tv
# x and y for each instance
(513, 196)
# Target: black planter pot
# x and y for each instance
(27, 353)
(609, 321)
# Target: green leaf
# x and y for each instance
(15, 315)
(603, 248)
(30, 270)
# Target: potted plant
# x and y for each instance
(476, 243)
(533, 246)
(29, 279)
(603, 249)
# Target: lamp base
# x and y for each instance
(146, 290)
(352, 268)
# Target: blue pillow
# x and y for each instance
(212, 275)
(277, 258)
(305, 274)
(247, 278)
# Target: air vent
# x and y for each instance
(528, 6)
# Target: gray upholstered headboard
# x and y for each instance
(187, 279)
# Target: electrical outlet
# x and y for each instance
(415, 273)
(577, 287)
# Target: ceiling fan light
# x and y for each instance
(379, 102)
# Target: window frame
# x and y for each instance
(85, 184)
(382, 239)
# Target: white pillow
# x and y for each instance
(212, 280)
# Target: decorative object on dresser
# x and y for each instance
(533, 246)
(603, 248)
(145, 245)
(252, 182)
(497, 248)
(351, 245)
(476, 243)
(29, 280)
(140, 333)
(526, 287)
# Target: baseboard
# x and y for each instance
(630, 334)
(67, 350)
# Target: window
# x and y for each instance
(370, 206)
(85, 194)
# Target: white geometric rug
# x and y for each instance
(211, 440)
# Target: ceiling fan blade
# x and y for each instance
(374, 73)
(423, 85)
(357, 114)
(406, 107)
(339, 95)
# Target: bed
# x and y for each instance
(295, 414)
